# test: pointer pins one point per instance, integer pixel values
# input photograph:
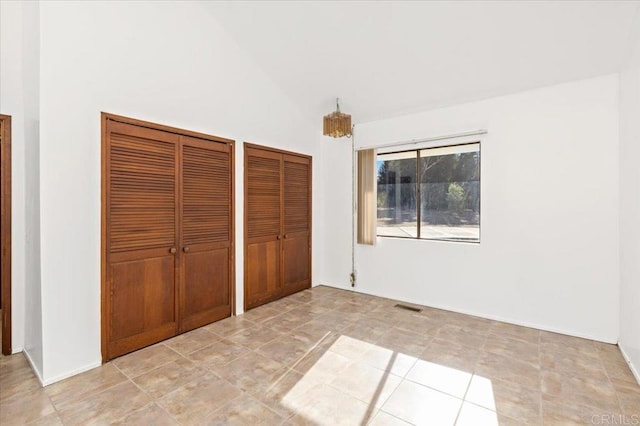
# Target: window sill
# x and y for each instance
(430, 239)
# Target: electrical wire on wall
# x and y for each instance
(338, 124)
(354, 207)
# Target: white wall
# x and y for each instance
(33, 344)
(630, 203)
(336, 215)
(164, 62)
(549, 251)
(19, 55)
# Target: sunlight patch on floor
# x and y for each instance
(355, 382)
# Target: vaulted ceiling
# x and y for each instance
(388, 58)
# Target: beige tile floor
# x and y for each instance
(333, 357)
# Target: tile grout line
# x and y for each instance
(55, 410)
(473, 373)
(604, 368)
(395, 417)
(20, 394)
(153, 401)
(156, 367)
(96, 394)
(540, 410)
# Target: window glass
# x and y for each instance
(430, 193)
(397, 190)
(450, 193)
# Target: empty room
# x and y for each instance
(320, 212)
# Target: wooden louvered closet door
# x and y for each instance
(167, 233)
(142, 230)
(277, 224)
(262, 226)
(296, 246)
(205, 290)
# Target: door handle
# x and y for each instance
(286, 235)
(172, 250)
(279, 237)
(185, 249)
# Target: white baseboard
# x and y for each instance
(632, 367)
(68, 374)
(480, 315)
(59, 377)
(33, 367)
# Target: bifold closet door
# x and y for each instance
(262, 226)
(277, 224)
(167, 233)
(206, 209)
(141, 230)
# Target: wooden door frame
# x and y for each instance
(246, 181)
(104, 118)
(5, 188)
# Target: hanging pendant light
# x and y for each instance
(337, 124)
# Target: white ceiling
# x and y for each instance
(389, 58)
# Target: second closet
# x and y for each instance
(277, 224)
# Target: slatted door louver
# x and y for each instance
(142, 193)
(263, 186)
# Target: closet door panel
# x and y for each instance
(296, 257)
(149, 281)
(262, 226)
(142, 228)
(207, 296)
(206, 215)
(296, 268)
(262, 277)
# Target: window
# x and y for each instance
(431, 194)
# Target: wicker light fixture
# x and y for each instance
(337, 124)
